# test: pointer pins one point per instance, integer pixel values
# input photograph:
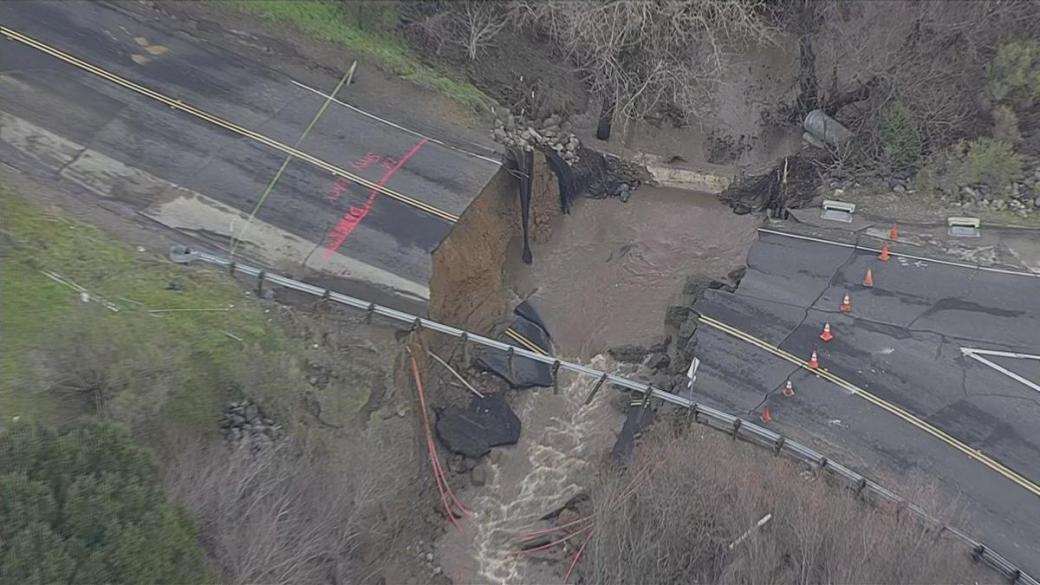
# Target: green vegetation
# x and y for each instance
(367, 27)
(86, 506)
(901, 143)
(199, 307)
(1015, 73)
(984, 162)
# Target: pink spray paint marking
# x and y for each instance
(343, 183)
(352, 218)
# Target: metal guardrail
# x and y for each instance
(706, 415)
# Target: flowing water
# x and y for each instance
(611, 268)
(604, 279)
(561, 442)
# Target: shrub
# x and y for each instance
(86, 506)
(901, 143)
(122, 364)
(1015, 73)
(982, 162)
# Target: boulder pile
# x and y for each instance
(244, 421)
(549, 134)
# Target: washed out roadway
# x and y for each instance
(901, 344)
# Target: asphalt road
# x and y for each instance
(901, 343)
(95, 114)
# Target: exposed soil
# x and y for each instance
(473, 256)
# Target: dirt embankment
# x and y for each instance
(466, 289)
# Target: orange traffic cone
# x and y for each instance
(846, 304)
(893, 234)
(884, 255)
(788, 389)
(868, 280)
(766, 417)
(814, 361)
(826, 335)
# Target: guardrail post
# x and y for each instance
(736, 427)
(1015, 576)
(977, 552)
(260, 283)
(860, 486)
(509, 363)
(231, 268)
(823, 462)
(369, 313)
(555, 377)
(646, 397)
(595, 389)
(778, 445)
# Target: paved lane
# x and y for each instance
(310, 203)
(901, 343)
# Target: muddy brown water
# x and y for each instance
(604, 278)
(611, 268)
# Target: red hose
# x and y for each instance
(448, 498)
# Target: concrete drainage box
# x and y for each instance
(838, 210)
(963, 227)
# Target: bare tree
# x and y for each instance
(288, 513)
(862, 59)
(678, 512)
(642, 57)
(481, 21)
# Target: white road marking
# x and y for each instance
(898, 254)
(396, 125)
(976, 354)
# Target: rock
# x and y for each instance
(675, 315)
(658, 361)
(688, 328)
(479, 475)
(999, 204)
(486, 423)
(628, 353)
(1036, 202)
(567, 516)
(496, 456)
(662, 345)
(429, 557)
(899, 188)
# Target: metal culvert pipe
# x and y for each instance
(826, 129)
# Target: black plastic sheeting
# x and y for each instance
(638, 420)
(521, 165)
(487, 422)
(569, 183)
(523, 373)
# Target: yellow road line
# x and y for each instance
(525, 341)
(227, 125)
(898, 411)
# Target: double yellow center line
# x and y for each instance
(898, 411)
(225, 124)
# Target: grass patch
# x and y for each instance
(32, 306)
(366, 27)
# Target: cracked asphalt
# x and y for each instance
(901, 342)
